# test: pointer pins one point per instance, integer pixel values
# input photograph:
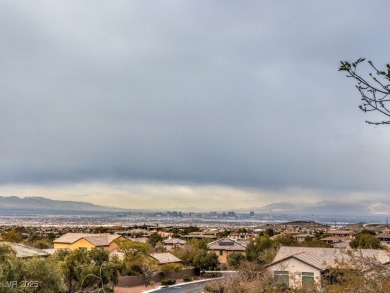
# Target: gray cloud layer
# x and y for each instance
(234, 93)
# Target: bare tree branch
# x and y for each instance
(374, 90)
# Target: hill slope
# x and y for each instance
(41, 203)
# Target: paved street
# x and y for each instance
(193, 287)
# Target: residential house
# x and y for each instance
(199, 235)
(172, 243)
(343, 244)
(165, 235)
(297, 267)
(165, 258)
(336, 239)
(140, 239)
(340, 233)
(87, 241)
(225, 246)
(242, 236)
(384, 237)
(302, 237)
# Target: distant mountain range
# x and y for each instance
(41, 203)
(358, 208)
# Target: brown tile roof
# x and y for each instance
(139, 239)
(335, 238)
(227, 244)
(70, 238)
(95, 239)
(323, 258)
(310, 259)
(173, 241)
(165, 257)
(101, 240)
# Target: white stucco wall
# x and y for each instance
(295, 269)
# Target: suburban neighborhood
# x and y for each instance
(197, 146)
(291, 255)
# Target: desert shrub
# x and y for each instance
(168, 281)
(212, 275)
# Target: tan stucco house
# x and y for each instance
(340, 233)
(173, 243)
(225, 246)
(87, 241)
(297, 267)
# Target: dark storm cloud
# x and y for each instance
(208, 92)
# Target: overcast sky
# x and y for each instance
(213, 104)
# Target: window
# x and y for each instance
(281, 277)
(221, 252)
(307, 279)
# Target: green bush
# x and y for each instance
(365, 240)
(168, 281)
(187, 278)
(211, 275)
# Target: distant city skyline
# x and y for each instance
(205, 104)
